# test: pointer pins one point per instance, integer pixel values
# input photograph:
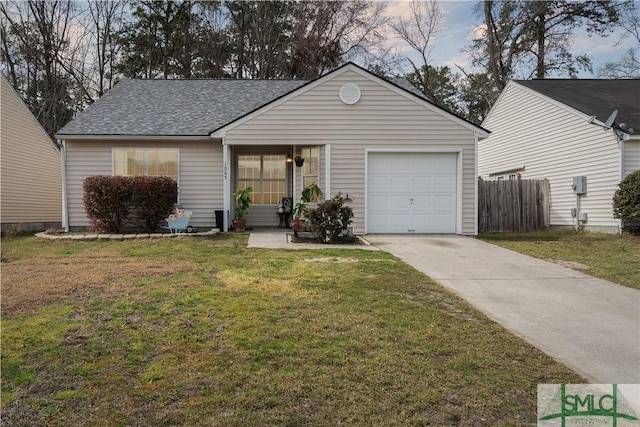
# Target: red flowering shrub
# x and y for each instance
(114, 202)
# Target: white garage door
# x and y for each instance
(411, 193)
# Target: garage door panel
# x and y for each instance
(423, 202)
(400, 164)
(400, 183)
(444, 184)
(397, 202)
(423, 221)
(445, 202)
(377, 203)
(423, 182)
(411, 192)
(444, 163)
(379, 183)
(400, 220)
(443, 222)
(379, 220)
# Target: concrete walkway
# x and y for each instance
(589, 324)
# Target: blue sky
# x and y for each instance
(460, 21)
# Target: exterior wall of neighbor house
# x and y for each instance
(200, 174)
(631, 156)
(383, 119)
(31, 173)
(553, 142)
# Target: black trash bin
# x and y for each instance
(219, 220)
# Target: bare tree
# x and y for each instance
(36, 38)
(628, 65)
(419, 31)
(105, 21)
(527, 39)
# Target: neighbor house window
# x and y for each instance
(267, 174)
(509, 177)
(311, 166)
(145, 161)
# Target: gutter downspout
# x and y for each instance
(621, 177)
(327, 170)
(475, 184)
(63, 161)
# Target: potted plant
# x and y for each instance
(309, 193)
(299, 160)
(243, 201)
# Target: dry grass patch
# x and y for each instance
(27, 285)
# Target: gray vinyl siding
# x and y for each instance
(631, 156)
(31, 172)
(554, 142)
(384, 118)
(200, 175)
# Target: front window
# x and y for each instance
(145, 161)
(267, 174)
(311, 166)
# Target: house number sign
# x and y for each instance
(224, 172)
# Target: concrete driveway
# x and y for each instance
(589, 324)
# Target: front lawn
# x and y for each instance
(190, 331)
(608, 256)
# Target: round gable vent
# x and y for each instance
(350, 93)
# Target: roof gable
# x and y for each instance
(594, 98)
(397, 86)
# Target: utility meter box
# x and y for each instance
(579, 185)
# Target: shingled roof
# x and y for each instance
(193, 107)
(597, 98)
(188, 107)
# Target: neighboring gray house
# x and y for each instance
(407, 165)
(555, 129)
(31, 178)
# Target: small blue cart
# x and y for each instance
(179, 225)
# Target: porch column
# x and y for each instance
(327, 171)
(226, 186)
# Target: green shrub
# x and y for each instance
(329, 221)
(626, 201)
(114, 202)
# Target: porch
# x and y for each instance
(275, 177)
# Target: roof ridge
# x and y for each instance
(214, 79)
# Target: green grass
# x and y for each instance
(234, 336)
(608, 256)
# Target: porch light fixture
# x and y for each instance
(289, 159)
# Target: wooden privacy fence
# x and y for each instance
(513, 205)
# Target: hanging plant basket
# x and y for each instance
(299, 161)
